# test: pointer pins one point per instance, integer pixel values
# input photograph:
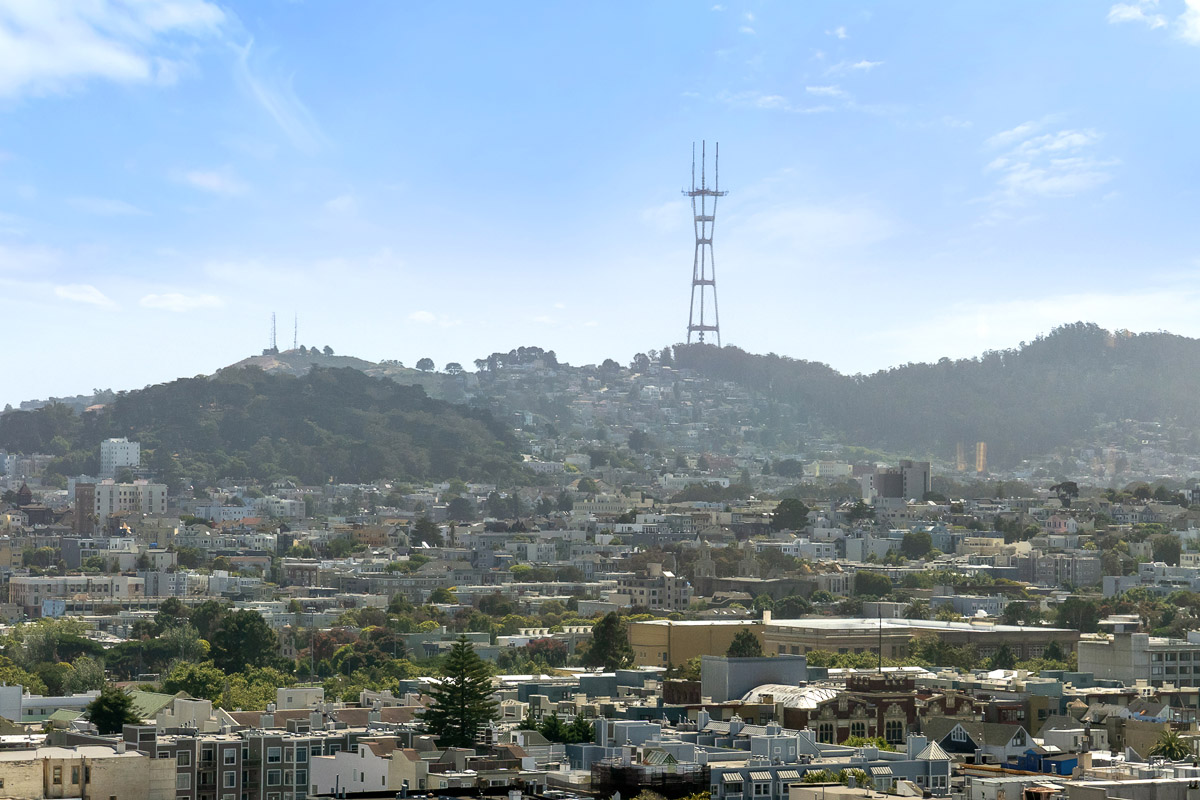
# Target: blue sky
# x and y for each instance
(906, 180)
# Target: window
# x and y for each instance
(825, 733)
(762, 789)
(230, 779)
(301, 755)
(230, 755)
(183, 758)
(274, 777)
(733, 788)
(858, 728)
(57, 776)
(958, 735)
(183, 781)
(274, 755)
(894, 731)
(302, 777)
(74, 775)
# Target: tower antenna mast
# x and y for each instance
(704, 276)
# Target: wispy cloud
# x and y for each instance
(180, 303)
(670, 216)
(342, 205)
(20, 259)
(1147, 12)
(768, 102)
(83, 293)
(825, 91)
(816, 229)
(277, 96)
(1142, 11)
(746, 29)
(429, 318)
(106, 207)
(57, 45)
(838, 33)
(218, 181)
(1035, 165)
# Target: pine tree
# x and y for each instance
(580, 731)
(112, 710)
(744, 645)
(552, 728)
(610, 644)
(462, 701)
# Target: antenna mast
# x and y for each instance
(704, 276)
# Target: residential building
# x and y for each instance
(118, 454)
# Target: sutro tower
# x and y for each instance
(704, 276)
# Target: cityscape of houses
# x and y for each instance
(734, 620)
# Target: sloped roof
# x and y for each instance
(933, 752)
(147, 704)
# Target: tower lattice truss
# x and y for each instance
(703, 316)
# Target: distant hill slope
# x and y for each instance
(244, 422)
(295, 363)
(1047, 393)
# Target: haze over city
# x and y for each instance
(907, 181)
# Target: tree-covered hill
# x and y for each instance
(1024, 401)
(243, 422)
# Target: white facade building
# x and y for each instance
(118, 454)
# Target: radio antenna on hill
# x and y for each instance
(704, 276)
(295, 331)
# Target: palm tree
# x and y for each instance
(1170, 746)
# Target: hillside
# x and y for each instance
(335, 424)
(1051, 392)
(297, 364)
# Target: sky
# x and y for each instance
(907, 181)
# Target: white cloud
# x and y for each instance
(1015, 134)
(1141, 11)
(179, 303)
(825, 91)
(718, 7)
(277, 96)
(865, 66)
(1059, 164)
(106, 207)
(746, 29)
(838, 33)
(83, 293)
(768, 102)
(749, 16)
(56, 45)
(1189, 22)
(429, 318)
(219, 181)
